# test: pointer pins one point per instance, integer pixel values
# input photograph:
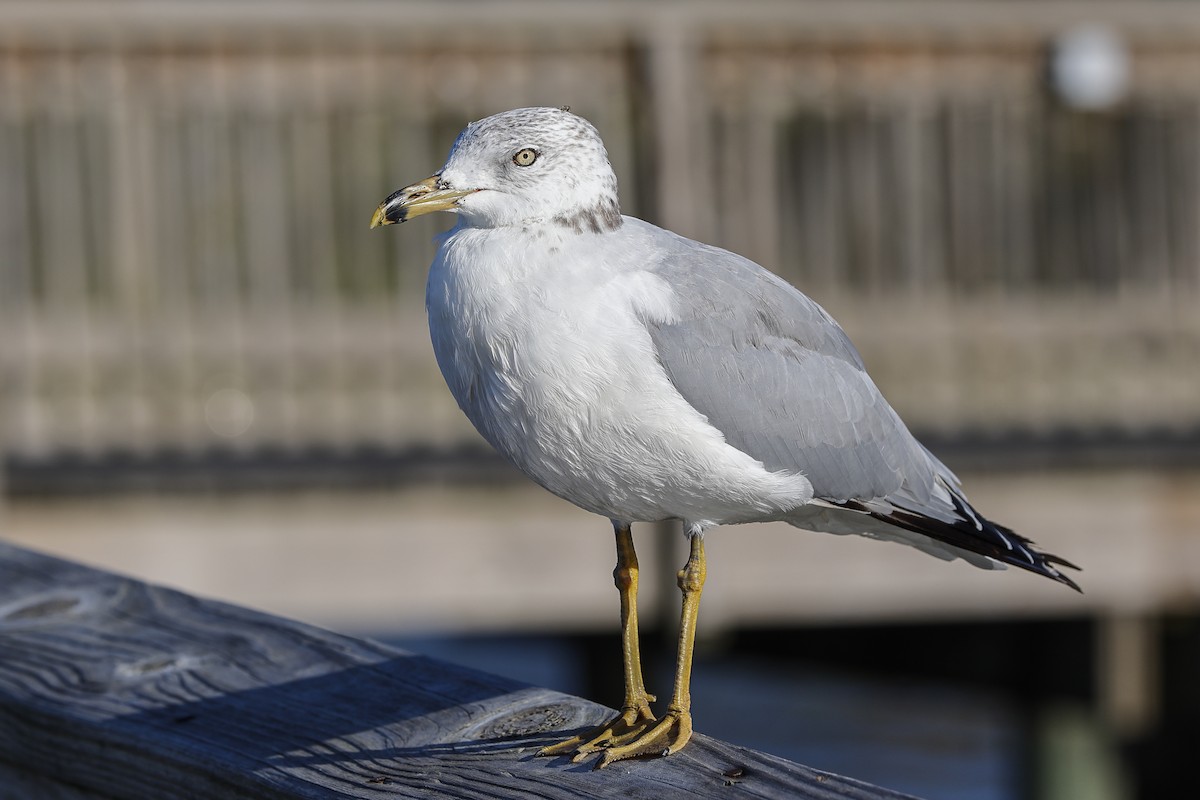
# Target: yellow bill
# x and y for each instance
(425, 197)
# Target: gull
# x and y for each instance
(645, 376)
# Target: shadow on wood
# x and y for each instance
(110, 687)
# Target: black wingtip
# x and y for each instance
(1042, 563)
(986, 538)
(1062, 562)
(1063, 579)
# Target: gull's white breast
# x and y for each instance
(540, 334)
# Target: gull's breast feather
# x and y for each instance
(541, 336)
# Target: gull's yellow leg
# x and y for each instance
(635, 712)
(673, 731)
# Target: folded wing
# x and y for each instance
(779, 378)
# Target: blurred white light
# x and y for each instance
(229, 412)
(1090, 68)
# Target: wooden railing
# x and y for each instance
(114, 688)
(186, 188)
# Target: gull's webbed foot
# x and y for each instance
(655, 739)
(626, 726)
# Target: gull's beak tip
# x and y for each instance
(379, 218)
(413, 201)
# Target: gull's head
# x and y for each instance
(524, 166)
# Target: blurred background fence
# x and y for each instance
(186, 186)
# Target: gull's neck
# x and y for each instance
(603, 216)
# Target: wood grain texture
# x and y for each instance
(113, 688)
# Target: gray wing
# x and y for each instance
(780, 379)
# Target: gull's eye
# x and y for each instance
(525, 156)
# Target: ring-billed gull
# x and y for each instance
(645, 376)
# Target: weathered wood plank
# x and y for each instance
(110, 687)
